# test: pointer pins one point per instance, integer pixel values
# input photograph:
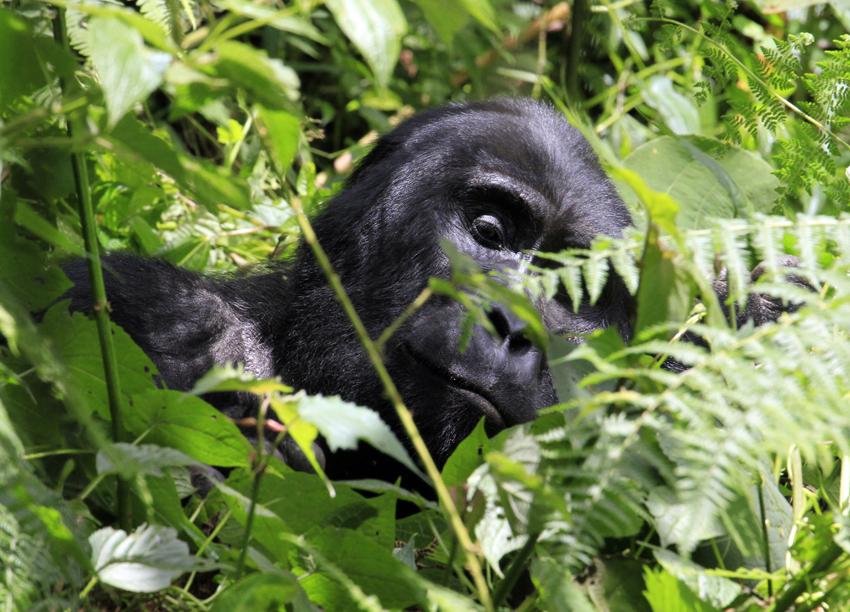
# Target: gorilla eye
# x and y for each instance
(488, 231)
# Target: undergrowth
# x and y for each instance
(702, 463)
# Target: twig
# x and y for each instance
(470, 550)
(392, 328)
(258, 466)
(98, 288)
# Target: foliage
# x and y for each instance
(196, 131)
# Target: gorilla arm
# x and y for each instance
(185, 322)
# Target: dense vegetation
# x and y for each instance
(198, 131)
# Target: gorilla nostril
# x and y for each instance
(509, 328)
(500, 322)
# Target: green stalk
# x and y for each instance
(515, 570)
(259, 468)
(470, 550)
(765, 536)
(100, 307)
(802, 581)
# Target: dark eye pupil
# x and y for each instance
(488, 230)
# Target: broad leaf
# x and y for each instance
(281, 131)
(145, 561)
(375, 27)
(269, 82)
(190, 425)
(261, 592)
(343, 424)
(127, 70)
(707, 178)
(75, 343)
(144, 459)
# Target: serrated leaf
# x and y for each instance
(342, 424)
(281, 131)
(235, 378)
(143, 459)
(144, 561)
(190, 425)
(75, 342)
(128, 71)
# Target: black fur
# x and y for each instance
(440, 175)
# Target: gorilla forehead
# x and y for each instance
(513, 145)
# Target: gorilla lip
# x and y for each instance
(469, 391)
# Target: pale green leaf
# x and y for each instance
(128, 71)
(375, 27)
(144, 561)
(342, 424)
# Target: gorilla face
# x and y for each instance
(496, 180)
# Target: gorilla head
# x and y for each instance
(495, 179)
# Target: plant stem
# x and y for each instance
(100, 307)
(576, 47)
(803, 579)
(765, 536)
(470, 550)
(515, 570)
(392, 328)
(259, 468)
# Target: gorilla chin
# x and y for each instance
(497, 180)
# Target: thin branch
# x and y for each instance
(392, 328)
(473, 564)
(100, 307)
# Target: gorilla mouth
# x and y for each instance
(471, 392)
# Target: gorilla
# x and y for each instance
(496, 179)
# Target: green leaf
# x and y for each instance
(75, 342)
(616, 584)
(267, 80)
(483, 12)
(25, 272)
(282, 20)
(281, 131)
(665, 593)
(677, 111)
(144, 459)
(369, 565)
(714, 590)
(209, 184)
(127, 70)
(375, 27)
(468, 455)
(682, 523)
(665, 292)
(447, 18)
(235, 378)
(145, 561)
(260, 592)
(343, 424)
(707, 178)
(20, 72)
(558, 592)
(188, 424)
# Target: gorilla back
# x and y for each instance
(496, 179)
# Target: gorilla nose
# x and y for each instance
(510, 330)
